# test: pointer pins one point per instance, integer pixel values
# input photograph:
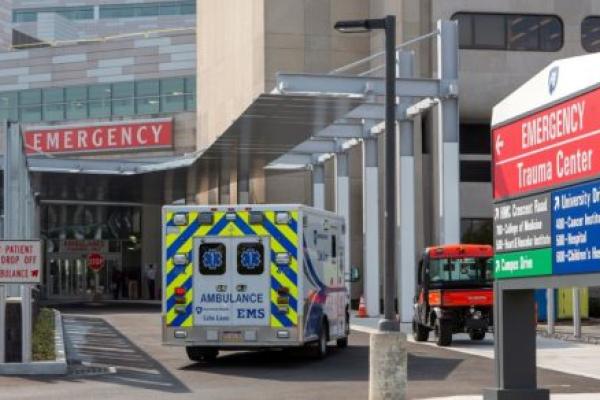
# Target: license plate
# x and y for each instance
(232, 337)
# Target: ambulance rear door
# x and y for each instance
(232, 281)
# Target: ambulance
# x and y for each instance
(243, 277)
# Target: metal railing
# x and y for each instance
(372, 57)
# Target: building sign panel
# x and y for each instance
(100, 137)
(20, 261)
(552, 147)
(522, 224)
(576, 229)
(521, 264)
(84, 246)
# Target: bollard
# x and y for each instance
(387, 366)
(576, 313)
(2, 322)
(26, 323)
(550, 310)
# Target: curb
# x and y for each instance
(56, 367)
(569, 338)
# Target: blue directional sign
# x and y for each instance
(576, 229)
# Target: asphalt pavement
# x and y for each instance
(115, 353)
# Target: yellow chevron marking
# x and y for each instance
(291, 313)
(283, 280)
(275, 322)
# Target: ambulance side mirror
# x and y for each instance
(354, 274)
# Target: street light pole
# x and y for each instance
(389, 323)
(387, 354)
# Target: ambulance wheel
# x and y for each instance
(199, 354)
(443, 333)
(420, 332)
(320, 348)
(342, 343)
(477, 334)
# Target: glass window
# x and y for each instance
(590, 34)
(212, 258)
(170, 9)
(172, 94)
(489, 31)
(122, 103)
(24, 16)
(475, 139)
(31, 14)
(54, 104)
(76, 102)
(146, 10)
(116, 11)
(30, 105)
(188, 7)
(190, 93)
(509, 31)
(465, 30)
(475, 171)
(476, 230)
(250, 259)
(147, 97)
(551, 34)
(99, 101)
(8, 106)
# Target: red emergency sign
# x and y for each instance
(113, 136)
(552, 147)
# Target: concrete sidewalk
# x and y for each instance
(563, 330)
(573, 358)
(582, 396)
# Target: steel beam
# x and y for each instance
(293, 159)
(448, 157)
(371, 201)
(318, 176)
(406, 260)
(341, 131)
(313, 146)
(337, 85)
(342, 206)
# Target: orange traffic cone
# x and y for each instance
(362, 308)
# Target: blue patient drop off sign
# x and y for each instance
(576, 229)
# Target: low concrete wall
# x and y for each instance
(56, 367)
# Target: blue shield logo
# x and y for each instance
(553, 79)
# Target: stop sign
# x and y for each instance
(95, 261)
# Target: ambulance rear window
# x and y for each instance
(212, 258)
(250, 259)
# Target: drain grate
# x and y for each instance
(84, 370)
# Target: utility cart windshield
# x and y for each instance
(458, 271)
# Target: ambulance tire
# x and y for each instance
(342, 343)
(199, 354)
(320, 347)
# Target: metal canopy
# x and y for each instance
(358, 85)
(273, 125)
(107, 167)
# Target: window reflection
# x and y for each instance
(519, 32)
